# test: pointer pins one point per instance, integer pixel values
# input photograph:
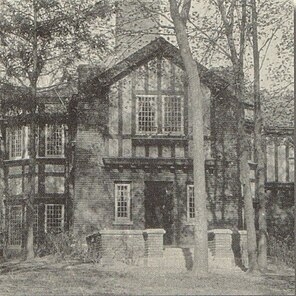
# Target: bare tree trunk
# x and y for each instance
(195, 98)
(259, 147)
(243, 154)
(237, 59)
(29, 237)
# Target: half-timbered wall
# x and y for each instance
(145, 142)
(149, 114)
(51, 181)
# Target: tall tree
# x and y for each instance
(237, 57)
(180, 18)
(43, 39)
(259, 146)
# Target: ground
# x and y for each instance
(46, 277)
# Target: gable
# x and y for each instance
(160, 48)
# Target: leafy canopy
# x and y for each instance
(61, 32)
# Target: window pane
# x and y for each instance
(55, 140)
(15, 226)
(190, 202)
(282, 163)
(122, 200)
(173, 114)
(270, 166)
(35, 225)
(54, 218)
(15, 139)
(147, 116)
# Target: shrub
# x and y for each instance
(282, 250)
(127, 252)
(281, 235)
(66, 246)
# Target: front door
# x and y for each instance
(159, 208)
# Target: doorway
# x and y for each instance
(159, 207)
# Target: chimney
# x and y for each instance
(137, 24)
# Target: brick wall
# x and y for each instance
(121, 245)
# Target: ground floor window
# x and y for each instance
(190, 202)
(122, 202)
(36, 221)
(54, 218)
(15, 225)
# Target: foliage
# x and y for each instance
(281, 224)
(126, 252)
(282, 250)
(278, 109)
(64, 246)
(281, 235)
(59, 32)
(275, 20)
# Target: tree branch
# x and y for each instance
(184, 14)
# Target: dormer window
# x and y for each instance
(159, 117)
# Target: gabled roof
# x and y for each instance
(159, 47)
(12, 96)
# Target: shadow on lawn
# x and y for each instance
(78, 267)
(23, 266)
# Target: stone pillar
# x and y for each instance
(244, 247)
(221, 249)
(153, 245)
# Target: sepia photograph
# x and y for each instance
(147, 147)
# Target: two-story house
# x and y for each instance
(119, 154)
(134, 147)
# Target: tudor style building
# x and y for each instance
(134, 147)
(119, 156)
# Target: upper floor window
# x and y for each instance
(122, 202)
(190, 202)
(168, 113)
(146, 114)
(172, 114)
(55, 140)
(15, 137)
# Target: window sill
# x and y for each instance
(159, 135)
(122, 223)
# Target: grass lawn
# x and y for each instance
(45, 277)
